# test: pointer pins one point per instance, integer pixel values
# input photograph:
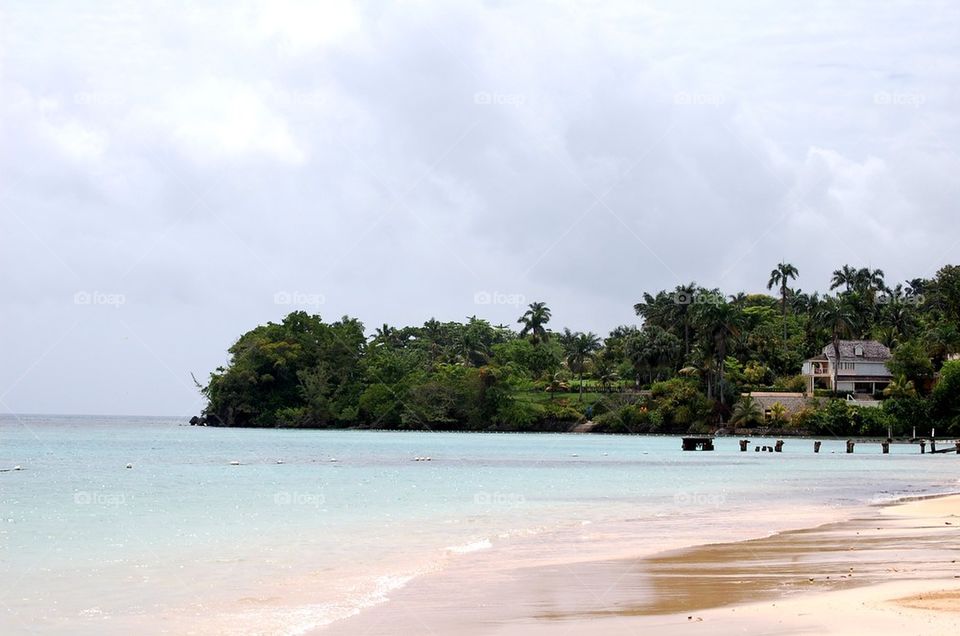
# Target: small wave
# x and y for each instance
(466, 548)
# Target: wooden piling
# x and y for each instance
(816, 447)
(886, 447)
(743, 445)
(850, 445)
(923, 447)
(779, 446)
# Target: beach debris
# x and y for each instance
(696, 443)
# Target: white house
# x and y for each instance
(862, 367)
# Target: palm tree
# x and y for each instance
(671, 311)
(781, 276)
(580, 348)
(533, 321)
(718, 322)
(835, 315)
(778, 413)
(845, 277)
(900, 387)
(746, 413)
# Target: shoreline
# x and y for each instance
(753, 583)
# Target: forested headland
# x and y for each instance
(684, 367)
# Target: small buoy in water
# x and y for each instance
(234, 463)
(129, 465)
(574, 455)
(279, 461)
(17, 467)
(333, 459)
(427, 459)
(418, 459)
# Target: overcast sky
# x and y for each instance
(172, 176)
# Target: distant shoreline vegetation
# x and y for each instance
(687, 369)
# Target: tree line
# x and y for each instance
(684, 367)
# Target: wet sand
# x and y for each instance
(892, 569)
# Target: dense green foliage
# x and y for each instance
(683, 368)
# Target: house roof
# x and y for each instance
(872, 350)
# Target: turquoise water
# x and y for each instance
(184, 539)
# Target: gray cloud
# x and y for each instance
(393, 162)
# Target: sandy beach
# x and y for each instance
(891, 570)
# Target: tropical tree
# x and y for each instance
(900, 388)
(781, 276)
(746, 413)
(845, 277)
(718, 321)
(671, 311)
(778, 413)
(534, 322)
(836, 317)
(580, 348)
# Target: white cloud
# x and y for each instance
(199, 161)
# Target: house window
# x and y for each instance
(858, 351)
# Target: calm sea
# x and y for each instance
(314, 526)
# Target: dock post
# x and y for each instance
(850, 445)
(743, 445)
(886, 447)
(816, 447)
(779, 446)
